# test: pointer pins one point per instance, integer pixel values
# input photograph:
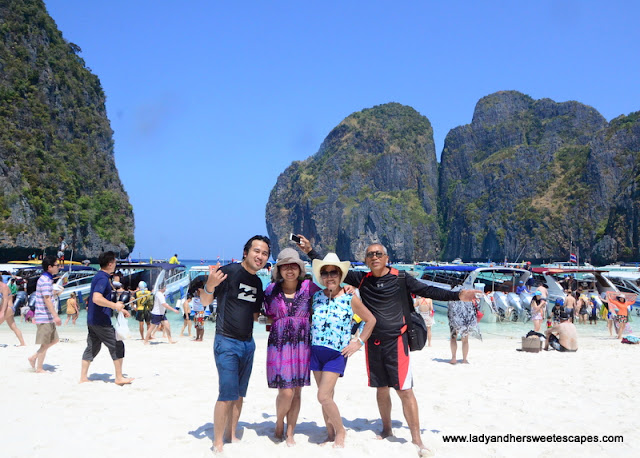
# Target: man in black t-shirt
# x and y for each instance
(387, 349)
(239, 293)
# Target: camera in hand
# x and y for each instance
(294, 238)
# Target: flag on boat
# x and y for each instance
(573, 258)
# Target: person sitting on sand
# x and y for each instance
(100, 329)
(158, 317)
(563, 336)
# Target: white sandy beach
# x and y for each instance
(167, 411)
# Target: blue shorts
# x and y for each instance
(234, 361)
(327, 359)
(157, 319)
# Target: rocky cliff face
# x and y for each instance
(57, 170)
(518, 182)
(617, 168)
(524, 180)
(374, 179)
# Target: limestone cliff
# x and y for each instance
(618, 178)
(374, 179)
(57, 169)
(520, 181)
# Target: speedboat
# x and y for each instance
(593, 283)
(173, 276)
(75, 279)
(500, 301)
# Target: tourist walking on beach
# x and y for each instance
(72, 309)
(186, 315)
(333, 311)
(238, 291)
(388, 361)
(46, 316)
(144, 303)
(100, 329)
(7, 311)
(463, 321)
(158, 317)
(195, 304)
(425, 309)
(287, 302)
(538, 310)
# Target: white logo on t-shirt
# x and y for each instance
(247, 293)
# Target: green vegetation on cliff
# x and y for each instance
(373, 179)
(56, 146)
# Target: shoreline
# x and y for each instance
(501, 392)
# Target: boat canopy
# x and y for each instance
(453, 268)
(555, 270)
(75, 268)
(155, 265)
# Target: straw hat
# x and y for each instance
(287, 256)
(331, 259)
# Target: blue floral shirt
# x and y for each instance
(331, 321)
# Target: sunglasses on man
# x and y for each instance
(374, 254)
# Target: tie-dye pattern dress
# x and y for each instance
(288, 347)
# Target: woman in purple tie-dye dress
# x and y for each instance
(287, 303)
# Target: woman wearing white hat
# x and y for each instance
(333, 310)
(287, 302)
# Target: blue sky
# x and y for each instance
(210, 101)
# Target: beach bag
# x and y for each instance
(122, 327)
(417, 332)
(416, 327)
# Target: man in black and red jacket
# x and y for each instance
(387, 350)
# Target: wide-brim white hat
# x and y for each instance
(331, 259)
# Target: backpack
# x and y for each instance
(145, 301)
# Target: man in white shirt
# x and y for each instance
(157, 315)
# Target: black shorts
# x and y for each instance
(388, 363)
(99, 335)
(143, 315)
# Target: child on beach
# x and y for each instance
(72, 309)
(193, 302)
